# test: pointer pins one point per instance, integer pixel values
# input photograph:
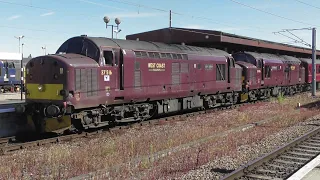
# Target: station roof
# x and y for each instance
(10, 56)
(218, 39)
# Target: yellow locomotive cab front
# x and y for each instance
(45, 94)
(44, 91)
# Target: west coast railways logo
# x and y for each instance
(156, 66)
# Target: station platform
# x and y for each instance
(314, 174)
(310, 171)
(9, 100)
(9, 106)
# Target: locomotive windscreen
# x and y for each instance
(81, 46)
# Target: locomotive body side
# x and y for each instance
(278, 74)
(307, 64)
(92, 82)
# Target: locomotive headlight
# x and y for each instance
(40, 88)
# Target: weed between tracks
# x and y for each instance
(152, 152)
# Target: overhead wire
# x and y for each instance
(42, 8)
(187, 15)
(141, 6)
(266, 12)
(307, 4)
(136, 5)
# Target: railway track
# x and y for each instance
(282, 162)
(11, 144)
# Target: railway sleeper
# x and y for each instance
(270, 172)
(315, 152)
(317, 145)
(309, 147)
(288, 162)
(264, 177)
(294, 158)
(277, 166)
(301, 154)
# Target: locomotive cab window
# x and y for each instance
(259, 64)
(108, 57)
(11, 65)
(267, 72)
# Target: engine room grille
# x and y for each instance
(78, 80)
(175, 76)
(81, 81)
(137, 78)
(253, 76)
(238, 77)
(175, 68)
(175, 79)
(92, 85)
(184, 68)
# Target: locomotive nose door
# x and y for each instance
(109, 80)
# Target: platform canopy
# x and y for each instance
(10, 56)
(221, 40)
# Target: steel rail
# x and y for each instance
(286, 164)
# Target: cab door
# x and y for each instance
(6, 72)
(2, 72)
(12, 73)
(287, 74)
(109, 81)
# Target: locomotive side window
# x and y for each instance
(268, 72)
(220, 72)
(108, 57)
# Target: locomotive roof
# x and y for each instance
(309, 61)
(283, 58)
(246, 64)
(155, 46)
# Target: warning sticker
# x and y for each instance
(106, 77)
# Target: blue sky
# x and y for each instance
(50, 22)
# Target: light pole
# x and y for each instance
(44, 49)
(106, 19)
(19, 37)
(21, 73)
(22, 48)
(117, 31)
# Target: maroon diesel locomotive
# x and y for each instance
(92, 82)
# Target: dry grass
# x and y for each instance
(187, 144)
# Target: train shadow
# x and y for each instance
(223, 171)
(33, 136)
(313, 105)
